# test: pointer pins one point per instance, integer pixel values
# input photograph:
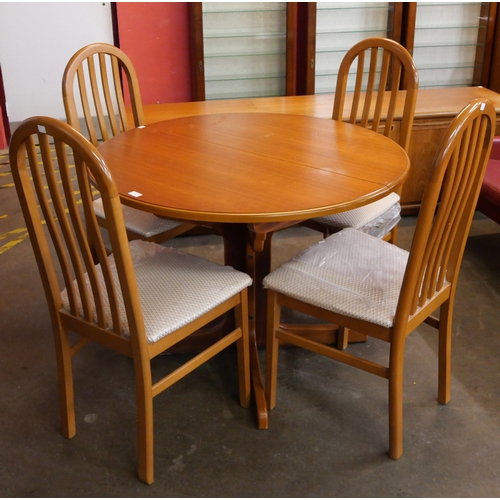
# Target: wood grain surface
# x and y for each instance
(247, 167)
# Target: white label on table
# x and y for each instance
(135, 194)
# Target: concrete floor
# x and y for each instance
(327, 435)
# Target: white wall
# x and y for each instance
(36, 42)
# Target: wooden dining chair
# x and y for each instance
(361, 282)
(140, 300)
(382, 68)
(92, 86)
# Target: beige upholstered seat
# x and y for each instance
(372, 105)
(377, 218)
(349, 273)
(142, 224)
(92, 86)
(176, 288)
(140, 300)
(356, 281)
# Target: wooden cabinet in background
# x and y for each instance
(434, 112)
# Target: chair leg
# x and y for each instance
(394, 235)
(396, 365)
(243, 350)
(272, 348)
(444, 377)
(145, 422)
(342, 337)
(65, 380)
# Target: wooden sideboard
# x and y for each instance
(434, 111)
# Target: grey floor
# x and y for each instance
(327, 435)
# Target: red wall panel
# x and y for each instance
(156, 38)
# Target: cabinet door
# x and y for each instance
(338, 27)
(449, 45)
(242, 52)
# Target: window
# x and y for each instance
(446, 39)
(244, 49)
(338, 27)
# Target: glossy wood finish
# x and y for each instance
(98, 69)
(431, 104)
(391, 67)
(252, 167)
(375, 108)
(47, 191)
(253, 173)
(431, 275)
(434, 111)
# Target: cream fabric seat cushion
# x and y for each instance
(350, 273)
(175, 288)
(365, 216)
(138, 221)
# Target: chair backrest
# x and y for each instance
(53, 167)
(377, 87)
(92, 81)
(447, 209)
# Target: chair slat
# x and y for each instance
(358, 87)
(93, 233)
(396, 70)
(461, 186)
(101, 120)
(87, 113)
(105, 82)
(86, 262)
(119, 95)
(382, 84)
(459, 191)
(44, 204)
(479, 131)
(370, 88)
(68, 237)
(427, 264)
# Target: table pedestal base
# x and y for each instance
(250, 251)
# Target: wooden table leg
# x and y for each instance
(239, 253)
(259, 265)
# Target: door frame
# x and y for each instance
(4, 125)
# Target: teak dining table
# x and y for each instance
(250, 174)
(434, 111)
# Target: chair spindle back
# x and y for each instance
(92, 82)
(56, 192)
(440, 235)
(383, 68)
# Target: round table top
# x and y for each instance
(252, 167)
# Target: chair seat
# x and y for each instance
(138, 221)
(175, 288)
(349, 273)
(377, 218)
